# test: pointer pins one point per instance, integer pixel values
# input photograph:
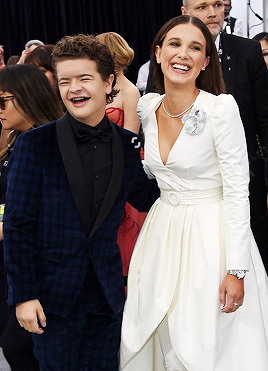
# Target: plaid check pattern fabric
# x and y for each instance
(45, 244)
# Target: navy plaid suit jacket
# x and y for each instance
(48, 235)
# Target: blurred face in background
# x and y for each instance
(2, 63)
(264, 48)
(211, 12)
(227, 8)
(49, 75)
(12, 117)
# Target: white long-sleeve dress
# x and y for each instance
(197, 230)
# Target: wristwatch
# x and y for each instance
(240, 274)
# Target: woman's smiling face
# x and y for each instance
(182, 54)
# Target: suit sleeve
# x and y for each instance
(260, 99)
(144, 189)
(23, 190)
(230, 144)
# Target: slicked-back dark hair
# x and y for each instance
(209, 80)
(87, 46)
(261, 36)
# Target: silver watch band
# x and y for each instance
(240, 274)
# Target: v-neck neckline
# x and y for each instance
(179, 135)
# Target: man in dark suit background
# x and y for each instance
(67, 187)
(231, 25)
(246, 78)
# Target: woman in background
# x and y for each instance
(27, 100)
(123, 113)
(123, 109)
(262, 37)
(41, 58)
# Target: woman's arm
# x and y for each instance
(230, 145)
(130, 100)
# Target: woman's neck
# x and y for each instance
(120, 76)
(177, 100)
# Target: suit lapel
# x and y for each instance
(74, 169)
(115, 181)
(228, 62)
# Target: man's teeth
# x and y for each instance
(80, 99)
(181, 67)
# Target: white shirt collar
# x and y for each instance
(217, 42)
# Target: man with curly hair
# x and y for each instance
(74, 177)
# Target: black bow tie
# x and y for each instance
(104, 135)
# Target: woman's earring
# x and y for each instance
(203, 68)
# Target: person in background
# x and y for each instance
(2, 53)
(123, 109)
(29, 46)
(143, 77)
(41, 57)
(231, 25)
(3, 135)
(13, 59)
(262, 37)
(21, 109)
(123, 112)
(195, 256)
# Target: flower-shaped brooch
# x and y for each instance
(194, 122)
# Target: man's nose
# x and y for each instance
(75, 86)
(211, 11)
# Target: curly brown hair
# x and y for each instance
(87, 46)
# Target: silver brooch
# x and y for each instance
(194, 122)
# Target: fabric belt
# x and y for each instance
(192, 197)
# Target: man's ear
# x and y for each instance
(184, 10)
(109, 84)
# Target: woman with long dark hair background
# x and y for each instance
(27, 100)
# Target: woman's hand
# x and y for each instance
(231, 293)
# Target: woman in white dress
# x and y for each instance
(195, 255)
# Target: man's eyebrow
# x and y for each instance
(77, 76)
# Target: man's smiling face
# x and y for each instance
(82, 89)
